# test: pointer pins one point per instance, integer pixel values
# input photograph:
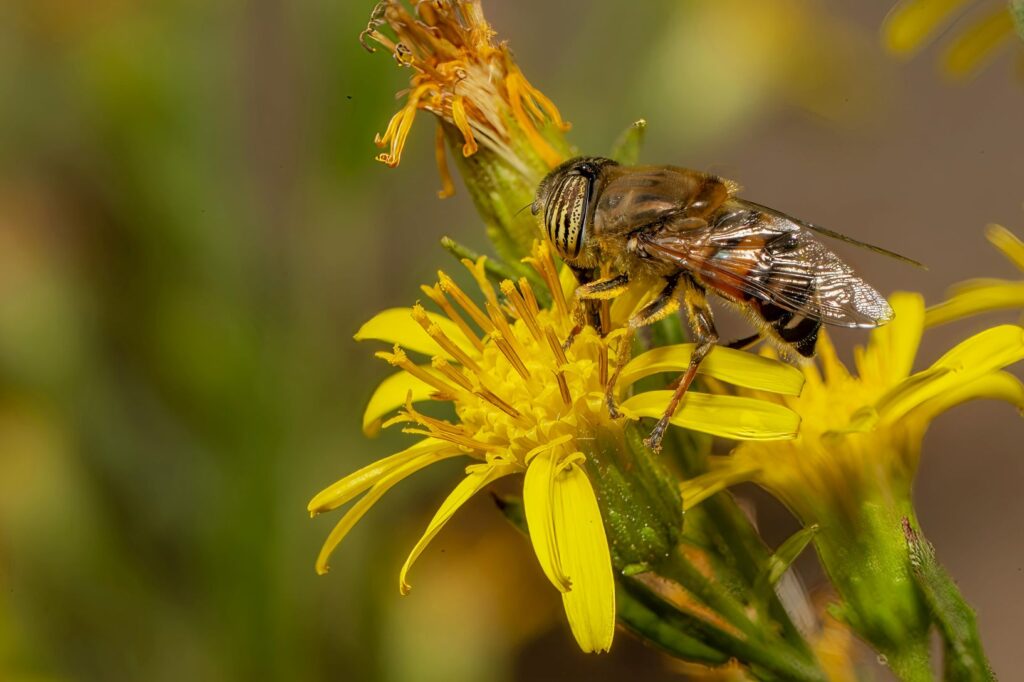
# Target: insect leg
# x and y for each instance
(622, 355)
(584, 312)
(705, 335)
(662, 305)
(603, 289)
(744, 343)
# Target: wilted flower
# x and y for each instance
(505, 133)
(526, 405)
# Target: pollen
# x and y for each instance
(521, 390)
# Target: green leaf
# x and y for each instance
(779, 562)
(964, 656)
(626, 149)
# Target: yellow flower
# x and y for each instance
(983, 295)
(466, 79)
(912, 24)
(862, 431)
(524, 405)
(851, 469)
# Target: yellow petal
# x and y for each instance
(720, 415)
(998, 386)
(391, 394)
(474, 481)
(912, 23)
(891, 351)
(981, 354)
(347, 488)
(732, 366)
(396, 325)
(1007, 242)
(364, 503)
(975, 297)
(537, 500)
(583, 548)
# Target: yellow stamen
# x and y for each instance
(545, 266)
(510, 354)
(436, 295)
(396, 120)
(501, 324)
(399, 359)
(443, 430)
(449, 287)
(521, 308)
(556, 350)
(451, 373)
(479, 272)
(441, 156)
(462, 123)
(528, 296)
(493, 399)
(397, 134)
(519, 89)
(442, 339)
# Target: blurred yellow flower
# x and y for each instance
(983, 295)
(913, 24)
(526, 405)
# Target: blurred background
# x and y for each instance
(192, 226)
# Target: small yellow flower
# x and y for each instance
(466, 79)
(851, 469)
(524, 405)
(912, 24)
(862, 432)
(983, 295)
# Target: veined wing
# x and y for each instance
(746, 252)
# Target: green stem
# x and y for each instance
(667, 625)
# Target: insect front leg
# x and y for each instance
(590, 296)
(705, 338)
(664, 304)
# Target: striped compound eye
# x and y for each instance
(565, 213)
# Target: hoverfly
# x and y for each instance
(686, 232)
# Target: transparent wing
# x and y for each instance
(771, 257)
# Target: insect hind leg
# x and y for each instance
(706, 337)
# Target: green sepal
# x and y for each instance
(626, 149)
(638, 496)
(965, 659)
(779, 562)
